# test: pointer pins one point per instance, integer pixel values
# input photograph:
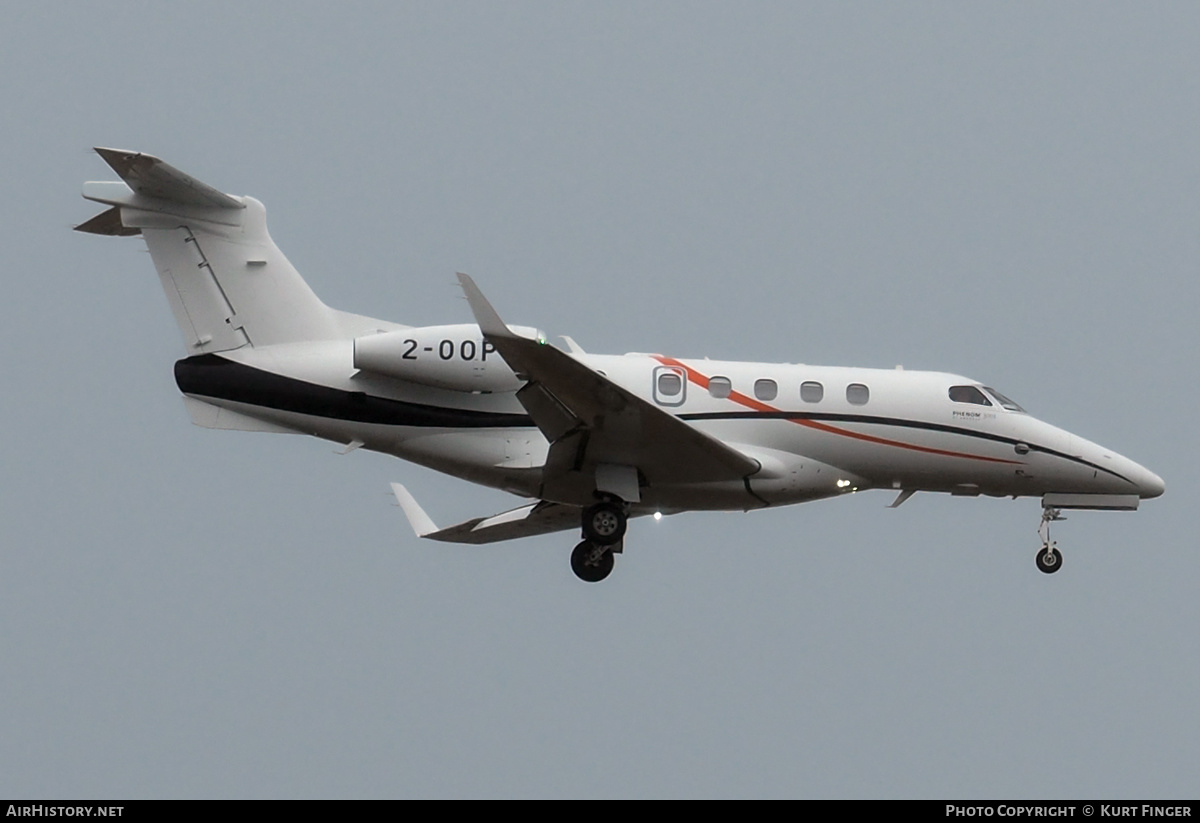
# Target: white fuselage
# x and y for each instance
(850, 429)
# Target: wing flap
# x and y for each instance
(553, 418)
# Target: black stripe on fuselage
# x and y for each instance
(208, 375)
(824, 417)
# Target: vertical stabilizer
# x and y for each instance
(227, 282)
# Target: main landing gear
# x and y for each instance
(1049, 560)
(591, 563)
(604, 522)
(603, 526)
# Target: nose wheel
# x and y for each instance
(1049, 559)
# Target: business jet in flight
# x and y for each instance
(593, 440)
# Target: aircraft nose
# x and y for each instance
(1150, 484)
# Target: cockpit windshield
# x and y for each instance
(1002, 400)
(969, 394)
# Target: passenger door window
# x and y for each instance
(670, 386)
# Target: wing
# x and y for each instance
(535, 518)
(597, 428)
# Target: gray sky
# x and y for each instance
(1007, 191)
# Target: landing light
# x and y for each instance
(658, 515)
(841, 484)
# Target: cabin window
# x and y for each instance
(720, 386)
(857, 394)
(969, 394)
(669, 384)
(1004, 401)
(766, 389)
(811, 391)
(670, 389)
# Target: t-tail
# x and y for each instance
(228, 284)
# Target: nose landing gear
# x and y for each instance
(1049, 559)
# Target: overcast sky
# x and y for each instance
(1007, 191)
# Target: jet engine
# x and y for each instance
(449, 357)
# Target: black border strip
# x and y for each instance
(209, 375)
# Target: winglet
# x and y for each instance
(417, 518)
(351, 446)
(487, 318)
(572, 345)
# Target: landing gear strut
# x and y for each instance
(1049, 560)
(590, 562)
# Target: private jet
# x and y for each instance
(590, 440)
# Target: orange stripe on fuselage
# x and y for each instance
(757, 405)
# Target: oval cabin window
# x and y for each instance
(811, 391)
(857, 394)
(766, 389)
(720, 386)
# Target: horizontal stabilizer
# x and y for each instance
(534, 518)
(151, 177)
(108, 223)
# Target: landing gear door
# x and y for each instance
(670, 385)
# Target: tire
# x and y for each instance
(1049, 560)
(587, 566)
(604, 523)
